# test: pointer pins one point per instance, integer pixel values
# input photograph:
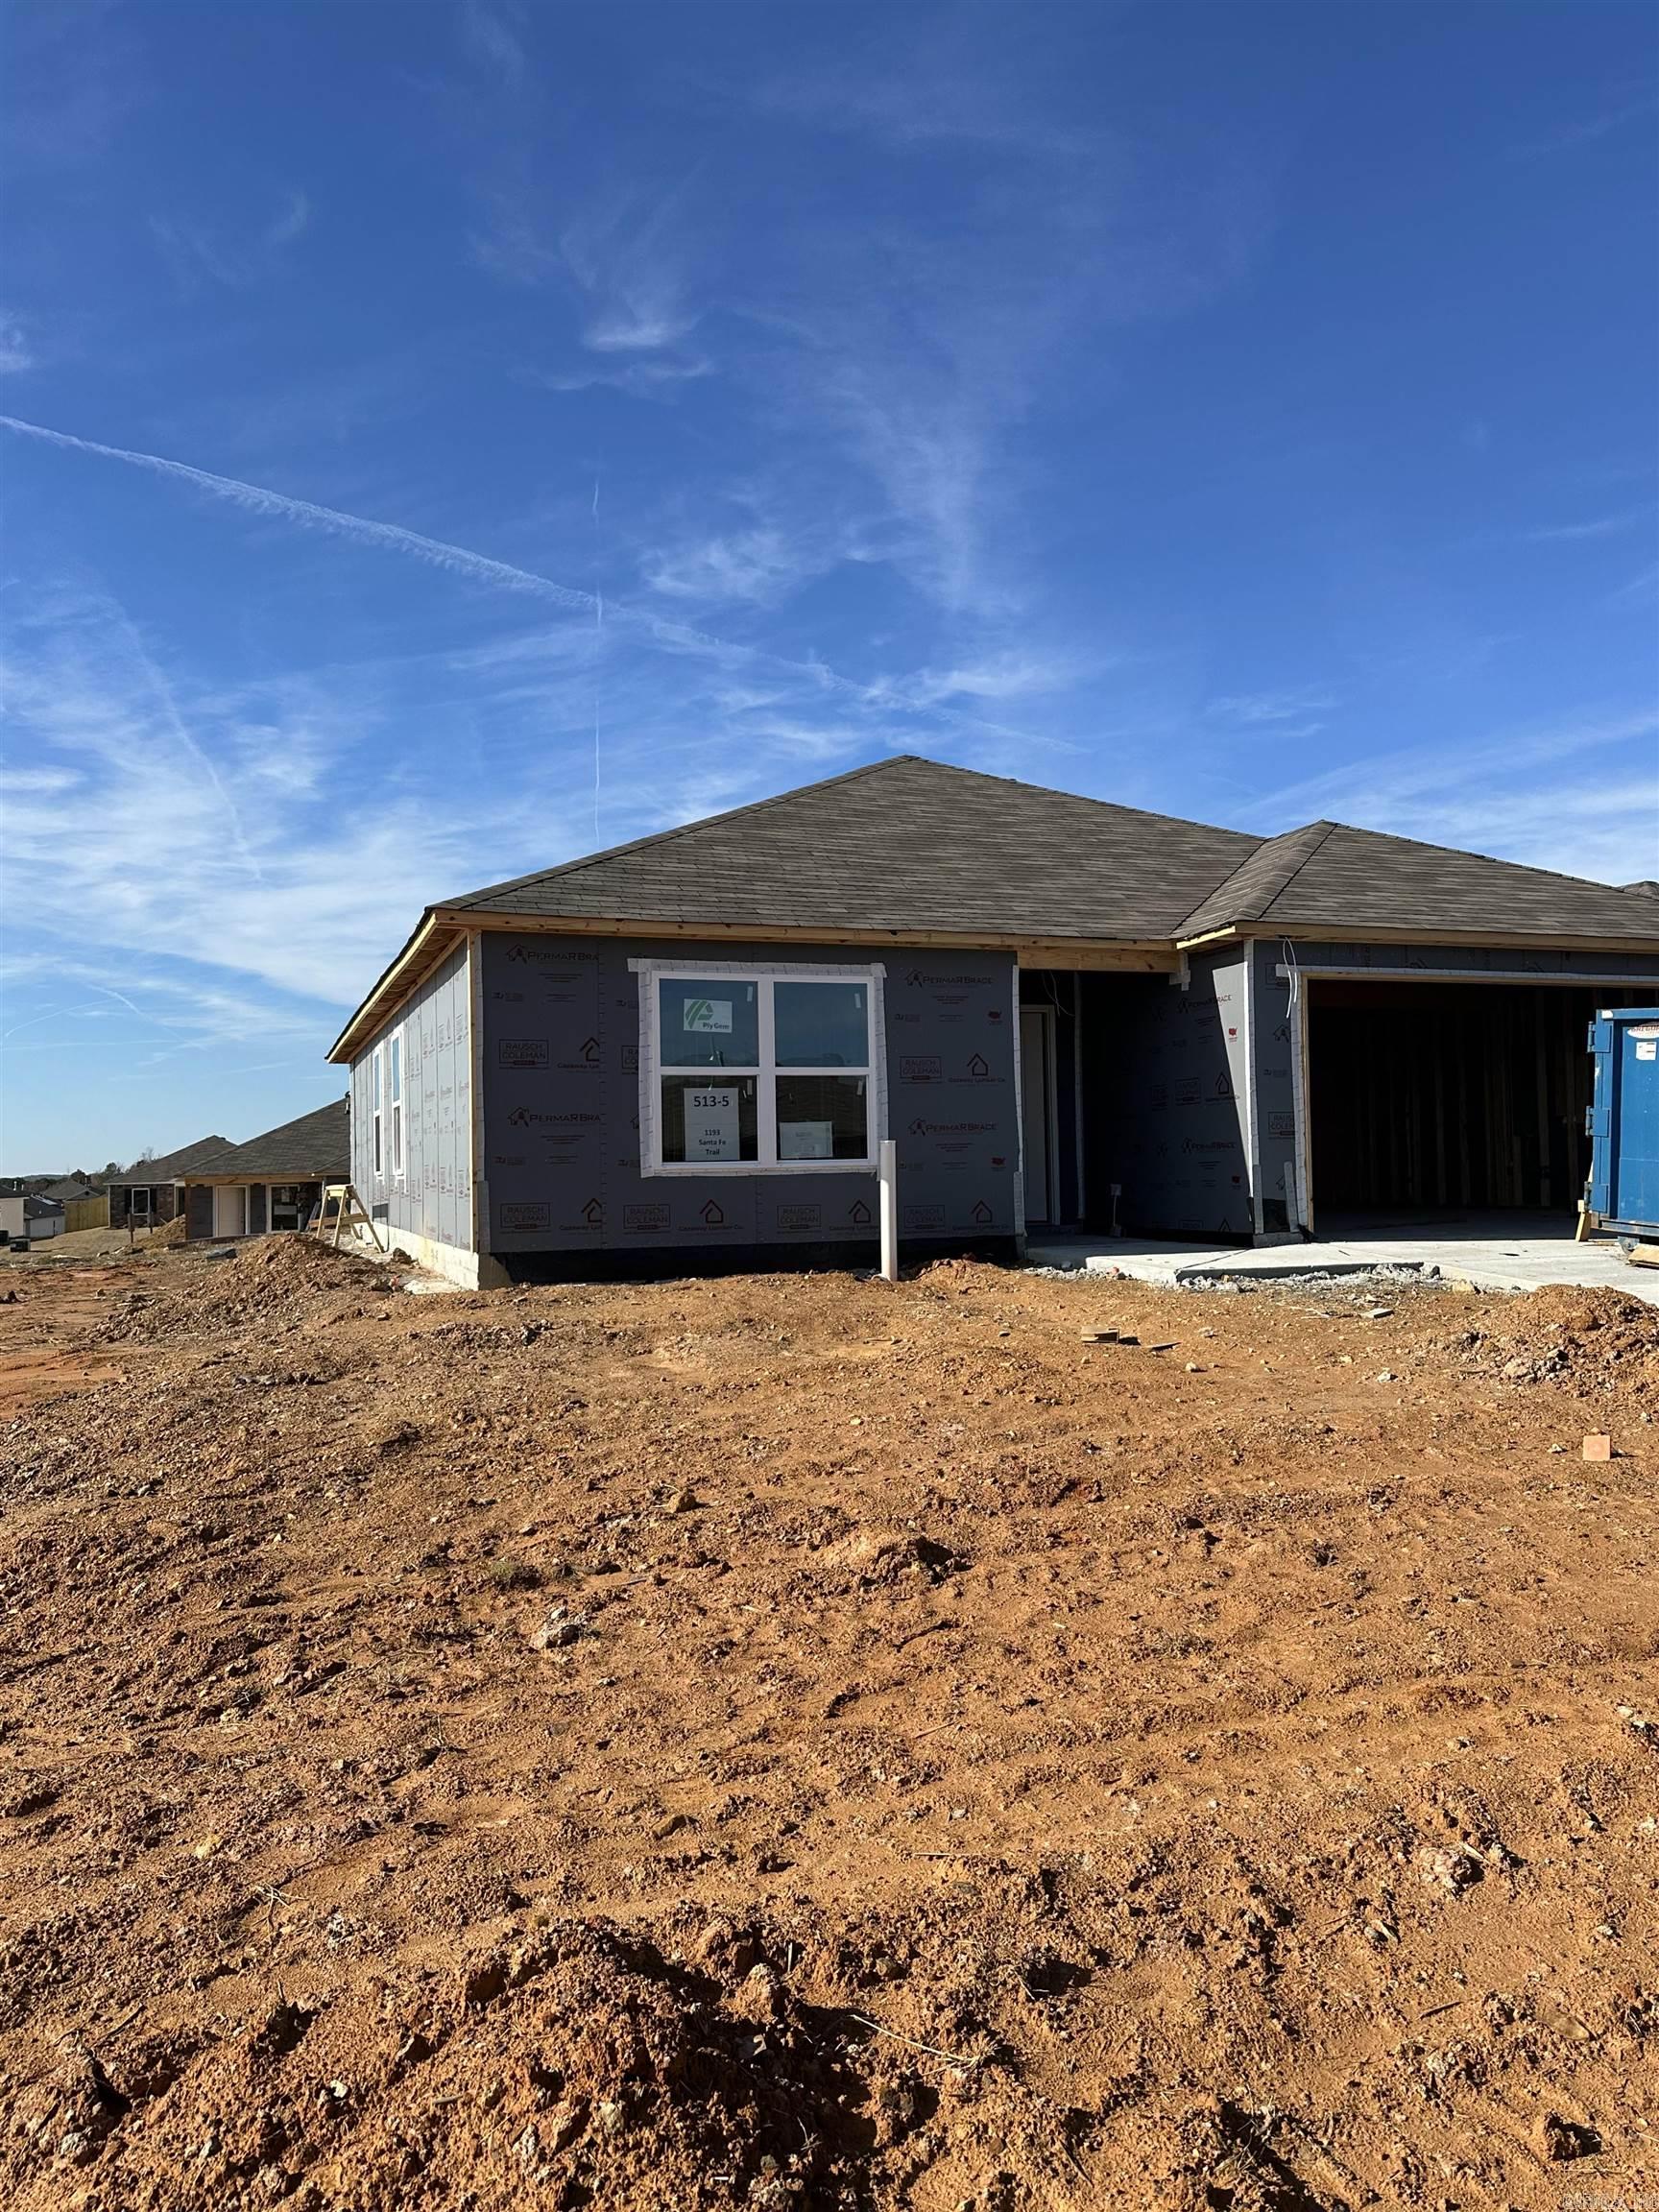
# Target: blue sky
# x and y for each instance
(1240, 411)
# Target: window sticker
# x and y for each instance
(711, 1124)
(806, 1140)
(707, 1018)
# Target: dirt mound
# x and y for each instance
(168, 1237)
(1595, 1338)
(264, 1282)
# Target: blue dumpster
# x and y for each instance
(1625, 1121)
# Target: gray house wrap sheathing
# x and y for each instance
(1061, 1010)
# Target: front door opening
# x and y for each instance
(230, 1209)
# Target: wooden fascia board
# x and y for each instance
(1511, 941)
(422, 952)
(261, 1175)
(1144, 953)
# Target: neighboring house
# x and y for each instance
(272, 1182)
(83, 1206)
(148, 1191)
(23, 1216)
(71, 1190)
(1064, 1012)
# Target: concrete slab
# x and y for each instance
(1494, 1251)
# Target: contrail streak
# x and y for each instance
(256, 499)
(480, 568)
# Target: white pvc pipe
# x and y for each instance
(887, 1171)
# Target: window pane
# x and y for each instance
(822, 1118)
(822, 1024)
(396, 1069)
(710, 1120)
(712, 1023)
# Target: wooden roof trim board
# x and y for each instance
(401, 976)
(1537, 941)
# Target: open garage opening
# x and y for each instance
(1445, 1102)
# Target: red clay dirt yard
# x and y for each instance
(802, 1741)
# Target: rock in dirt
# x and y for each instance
(558, 1629)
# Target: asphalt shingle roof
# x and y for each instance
(907, 845)
(915, 846)
(1327, 875)
(314, 1148)
(172, 1165)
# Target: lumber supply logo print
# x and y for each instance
(921, 1127)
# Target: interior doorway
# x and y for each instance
(1039, 1123)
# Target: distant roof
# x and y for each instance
(314, 1148)
(71, 1190)
(172, 1165)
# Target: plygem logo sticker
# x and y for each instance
(706, 1017)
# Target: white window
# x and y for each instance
(377, 1080)
(395, 1049)
(758, 1071)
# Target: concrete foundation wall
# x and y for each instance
(561, 1054)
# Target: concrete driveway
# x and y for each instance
(1518, 1251)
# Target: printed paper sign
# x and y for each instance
(711, 1124)
(1647, 1048)
(706, 1017)
(805, 1141)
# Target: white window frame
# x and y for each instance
(376, 1093)
(398, 1083)
(652, 973)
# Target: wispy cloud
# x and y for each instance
(197, 253)
(1592, 526)
(16, 353)
(1580, 796)
(493, 36)
(1589, 129)
(477, 567)
(1252, 708)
